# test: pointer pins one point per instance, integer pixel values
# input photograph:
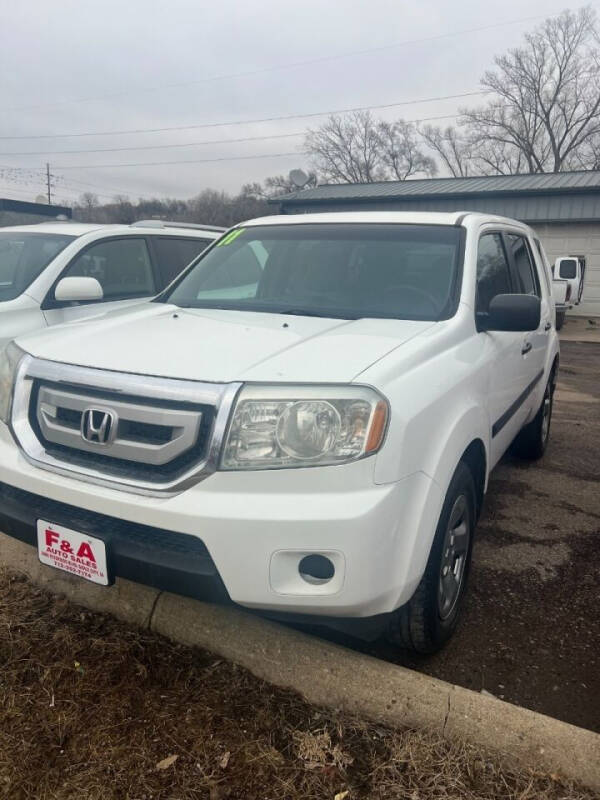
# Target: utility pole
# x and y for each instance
(48, 183)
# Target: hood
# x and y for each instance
(223, 346)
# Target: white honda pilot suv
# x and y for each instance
(303, 423)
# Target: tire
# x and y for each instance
(430, 617)
(532, 441)
(560, 319)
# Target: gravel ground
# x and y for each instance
(530, 632)
(93, 709)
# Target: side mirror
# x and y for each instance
(512, 312)
(72, 290)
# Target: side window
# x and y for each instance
(522, 260)
(174, 254)
(493, 274)
(122, 266)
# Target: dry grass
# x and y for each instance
(91, 708)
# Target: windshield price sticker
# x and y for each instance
(231, 237)
(71, 551)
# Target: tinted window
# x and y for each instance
(122, 266)
(23, 256)
(323, 269)
(525, 269)
(493, 274)
(568, 268)
(174, 254)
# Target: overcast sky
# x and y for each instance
(80, 66)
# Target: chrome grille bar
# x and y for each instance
(184, 426)
(66, 379)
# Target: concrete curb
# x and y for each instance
(333, 676)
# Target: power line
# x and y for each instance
(157, 146)
(168, 163)
(277, 67)
(417, 101)
(11, 190)
(72, 181)
(34, 176)
(189, 144)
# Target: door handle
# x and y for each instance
(547, 326)
(526, 348)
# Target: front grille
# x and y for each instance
(138, 433)
(152, 440)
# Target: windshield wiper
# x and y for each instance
(266, 309)
(306, 312)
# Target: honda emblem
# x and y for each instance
(98, 425)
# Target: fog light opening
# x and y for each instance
(316, 569)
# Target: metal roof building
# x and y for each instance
(564, 208)
(20, 212)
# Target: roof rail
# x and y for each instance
(161, 223)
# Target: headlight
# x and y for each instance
(274, 427)
(9, 361)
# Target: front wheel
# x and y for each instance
(430, 617)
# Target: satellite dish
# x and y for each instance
(299, 178)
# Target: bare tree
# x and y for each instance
(276, 185)
(545, 115)
(453, 149)
(588, 155)
(400, 150)
(489, 157)
(356, 148)
(347, 149)
(123, 210)
(87, 207)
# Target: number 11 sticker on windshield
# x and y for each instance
(71, 551)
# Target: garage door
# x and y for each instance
(577, 240)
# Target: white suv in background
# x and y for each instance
(304, 422)
(62, 271)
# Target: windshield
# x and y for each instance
(331, 270)
(23, 256)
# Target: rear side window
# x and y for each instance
(523, 265)
(175, 253)
(122, 266)
(493, 273)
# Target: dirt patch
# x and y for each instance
(566, 396)
(92, 708)
(521, 557)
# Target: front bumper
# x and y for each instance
(240, 536)
(166, 560)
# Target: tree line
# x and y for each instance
(543, 115)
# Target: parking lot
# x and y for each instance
(530, 633)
